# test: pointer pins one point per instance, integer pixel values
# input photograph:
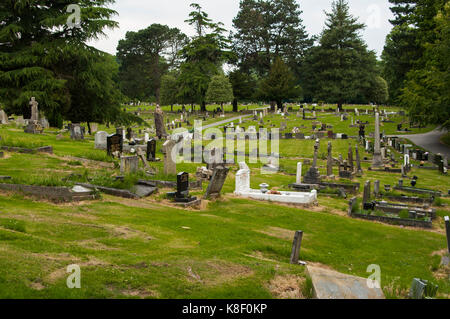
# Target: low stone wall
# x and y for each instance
(55, 194)
(351, 188)
(395, 221)
(419, 191)
(111, 191)
(44, 149)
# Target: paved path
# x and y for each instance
(430, 141)
(231, 119)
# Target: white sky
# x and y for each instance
(135, 15)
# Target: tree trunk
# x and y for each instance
(340, 107)
(89, 128)
(221, 107)
(203, 106)
(272, 106)
(280, 105)
(171, 108)
(235, 105)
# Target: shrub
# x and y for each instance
(404, 214)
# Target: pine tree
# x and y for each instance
(279, 85)
(219, 90)
(37, 47)
(340, 68)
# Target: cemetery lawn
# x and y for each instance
(235, 248)
(230, 248)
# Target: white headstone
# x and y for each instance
(299, 173)
(100, 140)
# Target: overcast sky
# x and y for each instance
(134, 15)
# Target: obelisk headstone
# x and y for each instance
(377, 160)
(330, 160)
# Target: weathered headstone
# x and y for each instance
(376, 188)
(3, 117)
(313, 175)
(76, 132)
(299, 173)
(114, 145)
(34, 110)
(129, 164)
(359, 170)
(159, 123)
(350, 158)
(330, 160)
(218, 178)
(100, 140)
(296, 246)
(377, 160)
(151, 150)
(366, 196)
(170, 166)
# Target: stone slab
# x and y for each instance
(329, 284)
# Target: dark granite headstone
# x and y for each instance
(114, 144)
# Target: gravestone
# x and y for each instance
(182, 193)
(170, 166)
(159, 123)
(34, 110)
(299, 173)
(76, 132)
(296, 246)
(100, 140)
(313, 175)
(151, 150)
(330, 160)
(359, 170)
(350, 158)
(129, 164)
(218, 178)
(377, 160)
(447, 229)
(114, 145)
(376, 188)
(366, 196)
(3, 117)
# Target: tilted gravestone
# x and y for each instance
(215, 186)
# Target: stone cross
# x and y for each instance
(377, 160)
(34, 110)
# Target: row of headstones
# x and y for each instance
(264, 135)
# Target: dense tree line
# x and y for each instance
(416, 59)
(272, 59)
(44, 56)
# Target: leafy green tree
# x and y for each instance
(340, 68)
(266, 29)
(144, 56)
(379, 91)
(243, 87)
(169, 90)
(279, 85)
(414, 25)
(37, 47)
(202, 58)
(219, 90)
(427, 91)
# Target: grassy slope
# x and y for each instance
(209, 260)
(146, 249)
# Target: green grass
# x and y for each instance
(234, 248)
